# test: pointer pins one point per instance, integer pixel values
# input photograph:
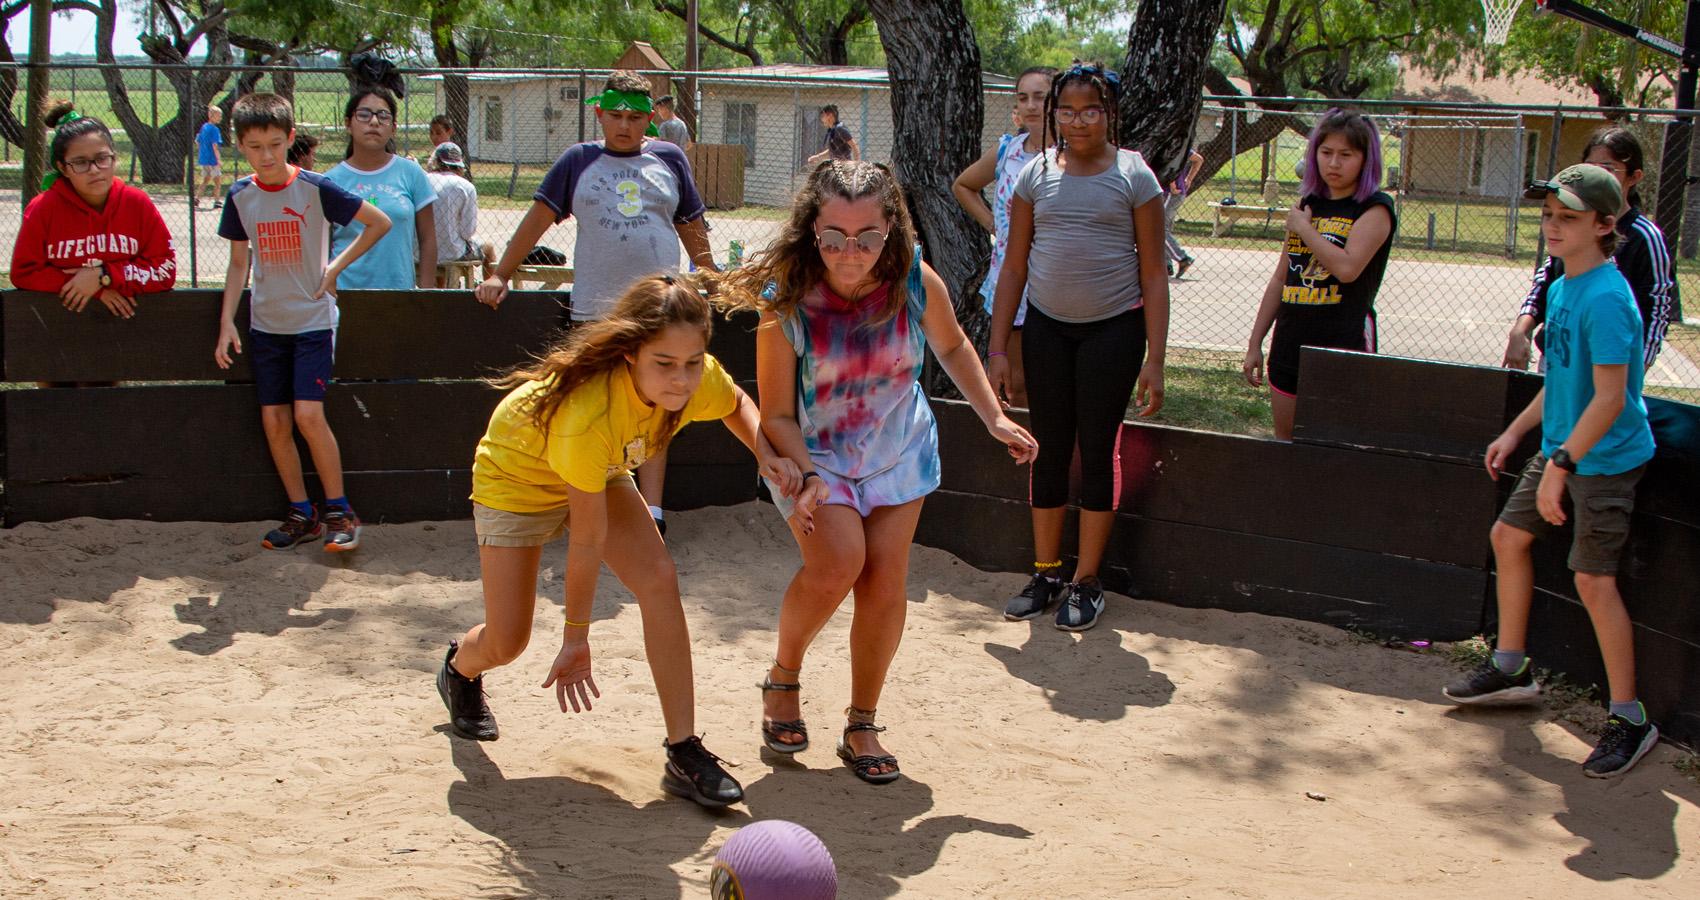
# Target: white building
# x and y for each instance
(772, 111)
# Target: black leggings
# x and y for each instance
(1080, 377)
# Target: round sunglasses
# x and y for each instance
(831, 240)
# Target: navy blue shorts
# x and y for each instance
(289, 367)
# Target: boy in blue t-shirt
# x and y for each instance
(287, 213)
(1595, 444)
(208, 157)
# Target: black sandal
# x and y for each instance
(771, 730)
(866, 765)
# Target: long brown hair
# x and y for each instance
(647, 308)
(790, 267)
(1624, 147)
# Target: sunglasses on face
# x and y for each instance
(1090, 115)
(831, 240)
(381, 116)
(98, 161)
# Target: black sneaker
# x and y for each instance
(296, 529)
(1620, 748)
(1488, 686)
(469, 715)
(695, 774)
(1034, 599)
(1081, 607)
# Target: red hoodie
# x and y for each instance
(61, 231)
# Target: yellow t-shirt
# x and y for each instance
(601, 432)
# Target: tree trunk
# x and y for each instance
(164, 150)
(1168, 50)
(933, 63)
(11, 127)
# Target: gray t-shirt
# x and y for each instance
(627, 205)
(1084, 266)
(674, 130)
(289, 227)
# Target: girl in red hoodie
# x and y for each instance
(89, 235)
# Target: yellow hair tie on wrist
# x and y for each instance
(578, 624)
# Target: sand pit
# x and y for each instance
(192, 715)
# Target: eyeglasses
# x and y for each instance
(831, 240)
(98, 161)
(381, 116)
(1089, 116)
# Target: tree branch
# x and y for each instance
(746, 48)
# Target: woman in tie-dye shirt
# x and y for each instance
(848, 312)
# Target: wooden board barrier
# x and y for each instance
(1314, 494)
(1412, 407)
(1201, 567)
(382, 334)
(197, 452)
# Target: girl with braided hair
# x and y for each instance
(1086, 241)
(848, 311)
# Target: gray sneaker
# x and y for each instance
(1081, 606)
(1034, 599)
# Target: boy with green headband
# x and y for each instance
(635, 201)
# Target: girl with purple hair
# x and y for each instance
(1322, 293)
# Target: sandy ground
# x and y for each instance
(193, 716)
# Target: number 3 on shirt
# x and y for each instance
(630, 204)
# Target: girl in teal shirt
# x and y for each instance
(407, 256)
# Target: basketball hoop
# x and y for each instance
(1498, 14)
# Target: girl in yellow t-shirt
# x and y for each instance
(561, 447)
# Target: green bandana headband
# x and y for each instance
(611, 99)
(53, 171)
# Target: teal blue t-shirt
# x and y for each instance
(400, 189)
(1592, 320)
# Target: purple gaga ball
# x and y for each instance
(773, 860)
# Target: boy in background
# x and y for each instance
(635, 201)
(209, 157)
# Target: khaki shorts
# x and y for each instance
(500, 528)
(211, 171)
(1599, 507)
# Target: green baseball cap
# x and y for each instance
(1581, 187)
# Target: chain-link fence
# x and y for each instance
(1465, 251)
(1467, 244)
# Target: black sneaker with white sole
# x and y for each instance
(696, 774)
(1620, 747)
(1488, 686)
(1034, 599)
(1081, 606)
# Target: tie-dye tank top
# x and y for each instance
(859, 398)
(1012, 156)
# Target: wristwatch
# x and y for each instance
(1561, 458)
(105, 279)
